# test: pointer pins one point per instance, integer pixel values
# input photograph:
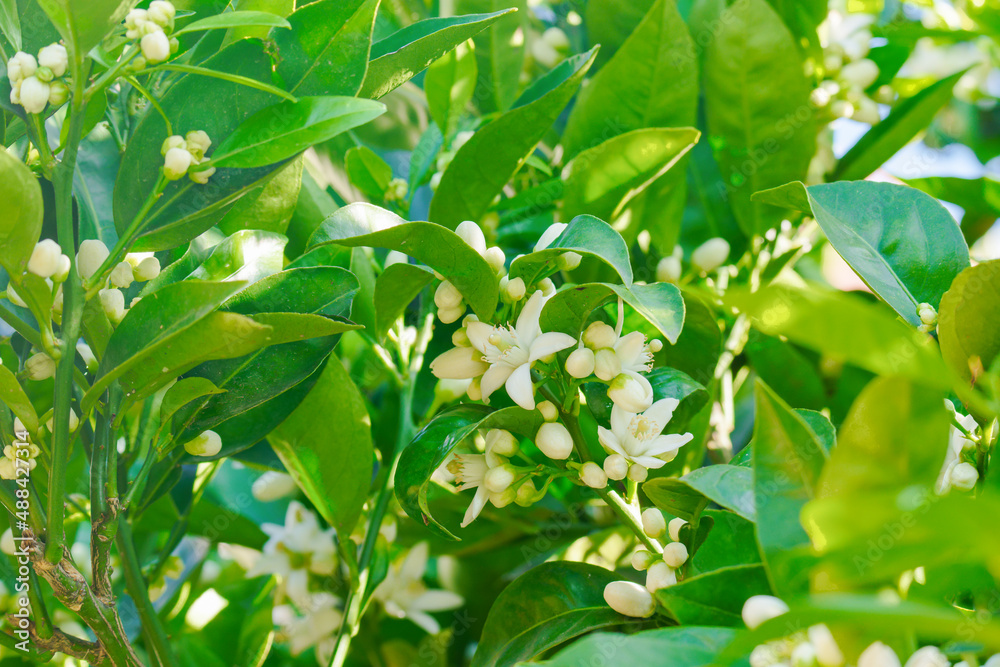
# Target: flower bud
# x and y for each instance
(155, 45)
(62, 271)
(655, 345)
(89, 258)
(89, 360)
(674, 529)
(554, 441)
(459, 363)
(547, 286)
(616, 467)
(173, 141)
(44, 74)
(964, 476)
(637, 473)
(113, 303)
(675, 554)
(273, 485)
(499, 478)
(878, 655)
(447, 390)
(160, 17)
(653, 523)
(660, 575)
(163, 6)
(396, 190)
(475, 390)
(472, 235)
(761, 608)
(74, 421)
(44, 261)
(642, 559)
(599, 335)
(593, 476)
(395, 257)
(34, 94)
(147, 269)
(40, 366)
(669, 270)
(527, 494)
(607, 364)
(504, 498)
(15, 98)
(804, 655)
(447, 295)
(515, 290)
(629, 599)
(828, 654)
(568, 261)
(58, 93)
(20, 66)
(7, 543)
(632, 392)
(201, 176)
(580, 363)
(549, 411)
(14, 297)
(435, 180)
(495, 258)
(928, 656)
(176, 162)
(710, 255)
(859, 74)
(121, 275)
(927, 314)
(198, 142)
(208, 443)
(501, 442)
(449, 315)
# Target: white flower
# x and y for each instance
(710, 255)
(549, 235)
(472, 235)
(958, 442)
(847, 34)
(638, 437)
(89, 258)
(273, 485)
(878, 655)
(633, 353)
(113, 303)
(155, 46)
(510, 351)
(320, 620)
(803, 655)
(653, 523)
(675, 554)
(147, 269)
(964, 476)
(198, 143)
(631, 392)
(176, 163)
(121, 275)
(403, 593)
(630, 599)
(759, 609)
(54, 57)
(928, 656)
(660, 575)
(40, 366)
(201, 176)
(470, 473)
(45, 258)
(554, 440)
(20, 66)
(828, 654)
(34, 94)
(206, 443)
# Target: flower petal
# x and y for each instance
(620, 419)
(662, 411)
(527, 321)
(459, 363)
(665, 443)
(437, 600)
(519, 387)
(649, 461)
(550, 343)
(415, 563)
(629, 350)
(609, 441)
(479, 334)
(494, 378)
(476, 506)
(425, 621)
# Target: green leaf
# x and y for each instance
(84, 25)
(237, 19)
(760, 119)
(443, 250)
(611, 22)
(449, 85)
(660, 303)
(903, 243)
(395, 289)
(13, 396)
(288, 128)
(487, 161)
(895, 435)
(714, 598)
(786, 370)
(730, 542)
(247, 255)
(368, 172)
(969, 319)
(979, 198)
(907, 120)
(686, 647)
(544, 607)
(650, 82)
(500, 56)
(407, 52)
(432, 445)
(326, 445)
(21, 223)
(685, 497)
(183, 392)
(270, 206)
(787, 462)
(10, 23)
(326, 51)
(585, 235)
(605, 178)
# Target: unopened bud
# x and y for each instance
(40, 366)
(121, 275)
(637, 473)
(447, 296)
(675, 554)
(173, 141)
(674, 529)
(449, 315)
(58, 93)
(113, 303)
(642, 559)
(632, 392)
(878, 655)
(653, 523)
(616, 467)
(964, 476)
(498, 479)
(710, 255)
(599, 335)
(580, 363)
(762, 608)
(515, 290)
(273, 485)
(660, 575)
(208, 443)
(45, 258)
(629, 599)
(549, 411)
(504, 498)
(593, 476)
(547, 287)
(501, 442)
(87, 354)
(568, 261)
(154, 44)
(147, 269)
(554, 440)
(472, 235)
(527, 494)
(495, 258)
(607, 365)
(669, 270)
(89, 258)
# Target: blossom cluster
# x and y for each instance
(37, 83)
(182, 153)
(151, 27)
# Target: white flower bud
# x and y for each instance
(121, 275)
(660, 575)
(549, 411)
(655, 345)
(495, 258)
(866, 111)
(629, 599)
(549, 235)
(501, 442)
(515, 290)
(710, 255)
(928, 656)
(568, 261)
(761, 608)
(164, 6)
(547, 286)
(653, 523)
(273, 485)
(45, 258)
(40, 366)
(675, 554)
(828, 654)
(607, 364)
(89, 360)
(58, 93)
(201, 176)
(89, 258)
(14, 297)
(504, 498)
(176, 163)
(396, 190)
(435, 180)
(674, 529)
(472, 235)
(642, 559)
(527, 494)
(449, 315)
(155, 45)
(447, 296)
(554, 441)
(878, 655)
(173, 141)
(927, 314)
(632, 392)
(198, 143)
(62, 271)
(34, 94)
(147, 269)
(20, 66)
(964, 476)
(637, 473)
(599, 335)
(803, 655)
(616, 467)
(208, 443)
(459, 363)
(580, 363)
(859, 74)
(74, 421)
(593, 476)
(113, 303)
(447, 390)
(395, 257)
(55, 58)
(15, 98)
(499, 478)
(7, 544)
(475, 390)
(669, 270)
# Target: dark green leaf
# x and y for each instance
(270, 206)
(83, 25)
(398, 285)
(237, 19)
(585, 235)
(683, 647)
(730, 541)
(728, 486)
(13, 396)
(969, 320)
(367, 171)
(714, 598)
(786, 370)
(21, 223)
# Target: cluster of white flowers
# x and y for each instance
(151, 27)
(957, 473)
(846, 40)
(403, 593)
(182, 153)
(9, 463)
(36, 83)
(396, 190)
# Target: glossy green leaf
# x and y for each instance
(787, 462)
(603, 179)
(610, 22)
(787, 371)
(326, 51)
(13, 396)
(407, 52)
(183, 392)
(730, 542)
(10, 23)
(908, 119)
(760, 118)
(969, 319)
(237, 19)
(686, 647)
(326, 445)
(685, 497)
(288, 128)
(368, 172)
(696, 351)
(486, 162)
(543, 608)
(499, 54)
(660, 303)
(438, 247)
(83, 25)
(21, 223)
(650, 82)
(395, 289)
(979, 199)
(432, 445)
(585, 235)
(270, 206)
(449, 85)
(247, 256)
(715, 598)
